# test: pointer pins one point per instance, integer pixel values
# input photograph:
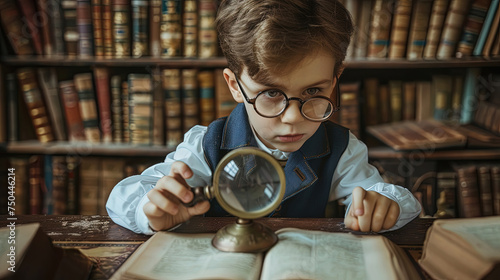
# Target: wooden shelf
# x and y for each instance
(86, 149)
(220, 62)
(419, 155)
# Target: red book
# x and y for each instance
(12, 25)
(74, 122)
(101, 76)
(29, 15)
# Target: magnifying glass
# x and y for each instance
(248, 183)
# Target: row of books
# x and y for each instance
(111, 28)
(424, 29)
(59, 184)
(99, 107)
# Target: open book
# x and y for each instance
(299, 254)
(463, 249)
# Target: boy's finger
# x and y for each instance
(163, 201)
(379, 214)
(392, 216)
(171, 185)
(152, 210)
(199, 208)
(182, 169)
(358, 195)
(351, 222)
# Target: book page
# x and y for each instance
(191, 256)
(481, 233)
(302, 254)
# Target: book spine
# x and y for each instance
(396, 97)
(107, 29)
(468, 194)
(71, 34)
(116, 108)
(490, 14)
(495, 188)
(112, 173)
(88, 193)
(363, 37)
(103, 100)
(224, 102)
(207, 38)
(44, 23)
(424, 105)
(418, 29)
(13, 27)
(158, 114)
(468, 98)
(74, 122)
(47, 207)
(48, 83)
(56, 26)
(97, 25)
(12, 98)
(436, 21)
(380, 28)
(171, 83)
(59, 182)
(371, 93)
(446, 202)
(84, 26)
(36, 185)
(190, 99)
(73, 174)
(171, 28)
(88, 107)
(125, 111)
(140, 40)
(349, 115)
(28, 11)
(409, 90)
(207, 105)
(399, 31)
(485, 191)
(21, 165)
(472, 27)
(442, 87)
(121, 26)
(141, 109)
(384, 104)
(190, 38)
(34, 102)
(452, 27)
(154, 28)
(491, 34)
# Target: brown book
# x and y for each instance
(207, 35)
(456, 98)
(396, 98)
(125, 112)
(495, 188)
(12, 117)
(107, 29)
(400, 29)
(59, 183)
(121, 28)
(56, 26)
(111, 174)
(49, 85)
(207, 88)
(140, 31)
(446, 183)
(28, 11)
(71, 34)
(84, 27)
(90, 170)
(158, 106)
(171, 83)
(141, 109)
(190, 99)
(72, 190)
(418, 29)
(363, 30)
(417, 135)
(171, 28)
(442, 87)
(116, 108)
(88, 107)
(424, 107)
(21, 167)
(36, 257)
(380, 29)
(462, 249)
(97, 27)
(224, 102)
(478, 137)
(45, 26)
(384, 104)
(488, 44)
(36, 184)
(154, 28)
(452, 28)
(408, 103)
(371, 97)
(349, 114)
(485, 191)
(13, 26)
(472, 27)
(469, 202)
(190, 28)
(73, 117)
(436, 22)
(101, 75)
(495, 49)
(36, 106)
(354, 8)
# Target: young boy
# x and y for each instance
(284, 60)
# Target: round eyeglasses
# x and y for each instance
(272, 103)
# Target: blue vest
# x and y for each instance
(308, 171)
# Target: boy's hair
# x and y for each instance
(270, 36)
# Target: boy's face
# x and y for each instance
(287, 132)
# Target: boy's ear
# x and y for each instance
(229, 76)
(340, 70)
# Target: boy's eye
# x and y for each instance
(272, 93)
(312, 91)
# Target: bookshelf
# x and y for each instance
(361, 66)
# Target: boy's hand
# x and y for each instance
(164, 209)
(371, 211)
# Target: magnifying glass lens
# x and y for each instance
(249, 183)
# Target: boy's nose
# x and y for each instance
(292, 113)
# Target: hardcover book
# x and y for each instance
(380, 29)
(140, 31)
(120, 10)
(207, 38)
(84, 26)
(309, 255)
(399, 29)
(13, 27)
(207, 106)
(171, 28)
(171, 83)
(88, 107)
(452, 28)
(73, 117)
(140, 109)
(190, 99)
(436, 21)
(418, 29)
(49, 85)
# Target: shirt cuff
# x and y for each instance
(141, 220)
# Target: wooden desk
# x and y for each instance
(110, 244)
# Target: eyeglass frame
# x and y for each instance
(301, 101)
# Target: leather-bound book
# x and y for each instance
(71, 34)
(207, 106)
(399, 30)
(116, 108)
(56, 26)
(125, 112)
(35, 104)
(36, 184)
(207, 35)
(380, 29)
(121, 28)
(154, 28)
(88, 107)
(141, 109)
(472, 27)
(224, 102)
(171, 28)
(107, 29)
(84, 26)
(13, 26)
(158, 109)
(190, 28)
(49, 85)
(171, 83)
(101, 75)
(73, 117)
(97, 22)
(495, 188)
(190, 99)
(90, 170)
(28, 11)
(59, 183)
(418, 29)
(485, 191)
(72, 190)
(12, 111)
(468, 191)
(140, 30)
(452, 28)
(45, 27)
(436, 21)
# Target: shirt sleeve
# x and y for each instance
(126, 200)
(354, 170)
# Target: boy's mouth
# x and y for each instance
(290, 137)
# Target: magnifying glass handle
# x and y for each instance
(199, 194)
